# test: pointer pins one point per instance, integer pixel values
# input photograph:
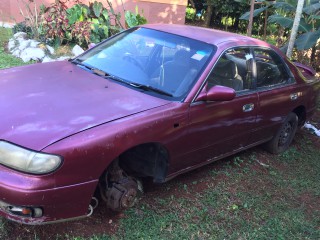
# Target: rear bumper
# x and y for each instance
(57, 204)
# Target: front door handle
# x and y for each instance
(294, 96)
(248, 107)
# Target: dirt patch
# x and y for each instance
(310, 203)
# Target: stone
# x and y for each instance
(32, 54)
(48, 59)
(62, 58)
(34, 43)
(50, 49)
(22, 35)
(16, 52)
(11, 44)
(24, 44)
(77, 50)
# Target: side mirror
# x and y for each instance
(217, 93)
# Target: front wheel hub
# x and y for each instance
(122, 195)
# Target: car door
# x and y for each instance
(221, 128)
(276, 90)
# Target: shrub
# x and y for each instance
(80, 23)
(95, 22)
(56, 23)
(190, 13)
(31, 13)
(22, 27)
(89, 23)
(134, 19)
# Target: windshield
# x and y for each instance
(150, 58)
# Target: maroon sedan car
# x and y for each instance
(153, 101)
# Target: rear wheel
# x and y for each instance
(282, 140)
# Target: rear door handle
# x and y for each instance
(248, 107)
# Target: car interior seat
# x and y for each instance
(225, 73)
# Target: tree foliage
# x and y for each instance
(223, 9)
(283, 15)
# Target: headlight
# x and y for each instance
(26, 160)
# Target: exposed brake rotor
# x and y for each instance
(120, 190)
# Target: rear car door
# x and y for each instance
(276, 90)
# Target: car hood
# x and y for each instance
(43, 103)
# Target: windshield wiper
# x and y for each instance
(97, 71)
(107, 75)
(81, 64)
(150, 88)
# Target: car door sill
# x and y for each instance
(210, 160)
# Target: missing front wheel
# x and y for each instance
(118, 189)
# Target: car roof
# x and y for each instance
(212, 36)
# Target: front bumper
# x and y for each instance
(56, 203)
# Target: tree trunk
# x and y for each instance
(249, 30)
(265, 25)
(192, 4)
(209, 13)
(295, 27)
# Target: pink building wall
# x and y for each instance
(155, 11)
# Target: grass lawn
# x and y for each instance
(252, 195)
(7, 60)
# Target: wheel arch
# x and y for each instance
(150, 159)
(300, 111)
(146, 160)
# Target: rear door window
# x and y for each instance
(271, 70)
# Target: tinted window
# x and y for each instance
(233, 70)
(271, 70)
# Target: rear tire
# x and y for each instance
(283, 138)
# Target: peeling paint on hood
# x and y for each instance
(43, 103)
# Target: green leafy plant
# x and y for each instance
(81, 32)
(55, 21)
(83, 24)
(190, 13)
(284, 12)
(92, 23)
(134, 19)
(23, 27)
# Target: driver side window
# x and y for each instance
(233, 70)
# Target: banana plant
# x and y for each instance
(284, 11)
